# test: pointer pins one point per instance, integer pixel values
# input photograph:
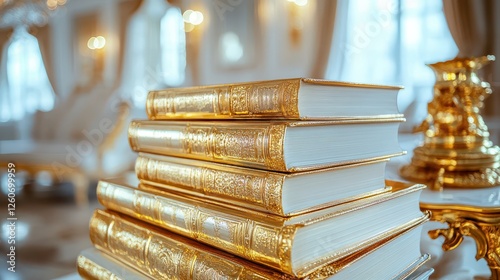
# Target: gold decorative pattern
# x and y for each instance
(285, 245)
(167, 255)
(261, 189)
(275, 159)
(223, 104)
(227, 232)
(256, 145)
(90, 270)
(240, 99)
(483, 225)
(277, 99)
(260, 237)
(239, 144)
(457, 152)
(458, 179)
(291, 99)
(274, 99)
(265, 243)
(247, 144)
(251, 188)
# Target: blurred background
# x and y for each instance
(74, 73)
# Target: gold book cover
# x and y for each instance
(274, 192)
(298, 98)
(161, 254)
(272, 145)
(294, 245)
(93, 264)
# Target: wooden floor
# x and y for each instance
(51, 231)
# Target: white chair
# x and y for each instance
(81, 140)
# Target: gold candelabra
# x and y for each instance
(457, 151)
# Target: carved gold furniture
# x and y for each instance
(459, 162)
(457, 151)
(474, 213)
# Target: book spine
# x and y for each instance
(245, 237)
(255, 189)
(87, 269)
(252, 145)
(271, 99)
(162, 257)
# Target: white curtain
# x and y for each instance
(24, 84)
(390, 42)
(155, 51)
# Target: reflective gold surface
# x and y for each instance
(263, 238)
(251, 188)
(87, 269)
(165, 255)
(255, 144)
(457, 151)
(261, 99)
(482, 224)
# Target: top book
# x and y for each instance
(295, 99)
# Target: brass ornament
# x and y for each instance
(457, 152)
(482, 224)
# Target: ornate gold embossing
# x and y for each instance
(171, 256)
(223, 102)
(265, 242)
(265, 99)
(91, 270)
(241, 144)
(188, 260)
(239, 99)
(291, 98)
(260, 237)
(163, 258)
(253, 144)
(483, 225)
(457, 152)
(273, 193)
(231, 233)
(275, 158)
(285, 245)
(275, 99)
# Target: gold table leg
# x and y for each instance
(483, 225)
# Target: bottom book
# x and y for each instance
(160, 254)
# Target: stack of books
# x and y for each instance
(279, 179)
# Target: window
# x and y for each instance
(24, 84)
(389, 42)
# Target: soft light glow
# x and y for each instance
(299, 2)
(96, 43)
(188, 27)
(196, 18)
(186, 15)
(100, 42)
(192, 17)
(232, 48)
(52, 4)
